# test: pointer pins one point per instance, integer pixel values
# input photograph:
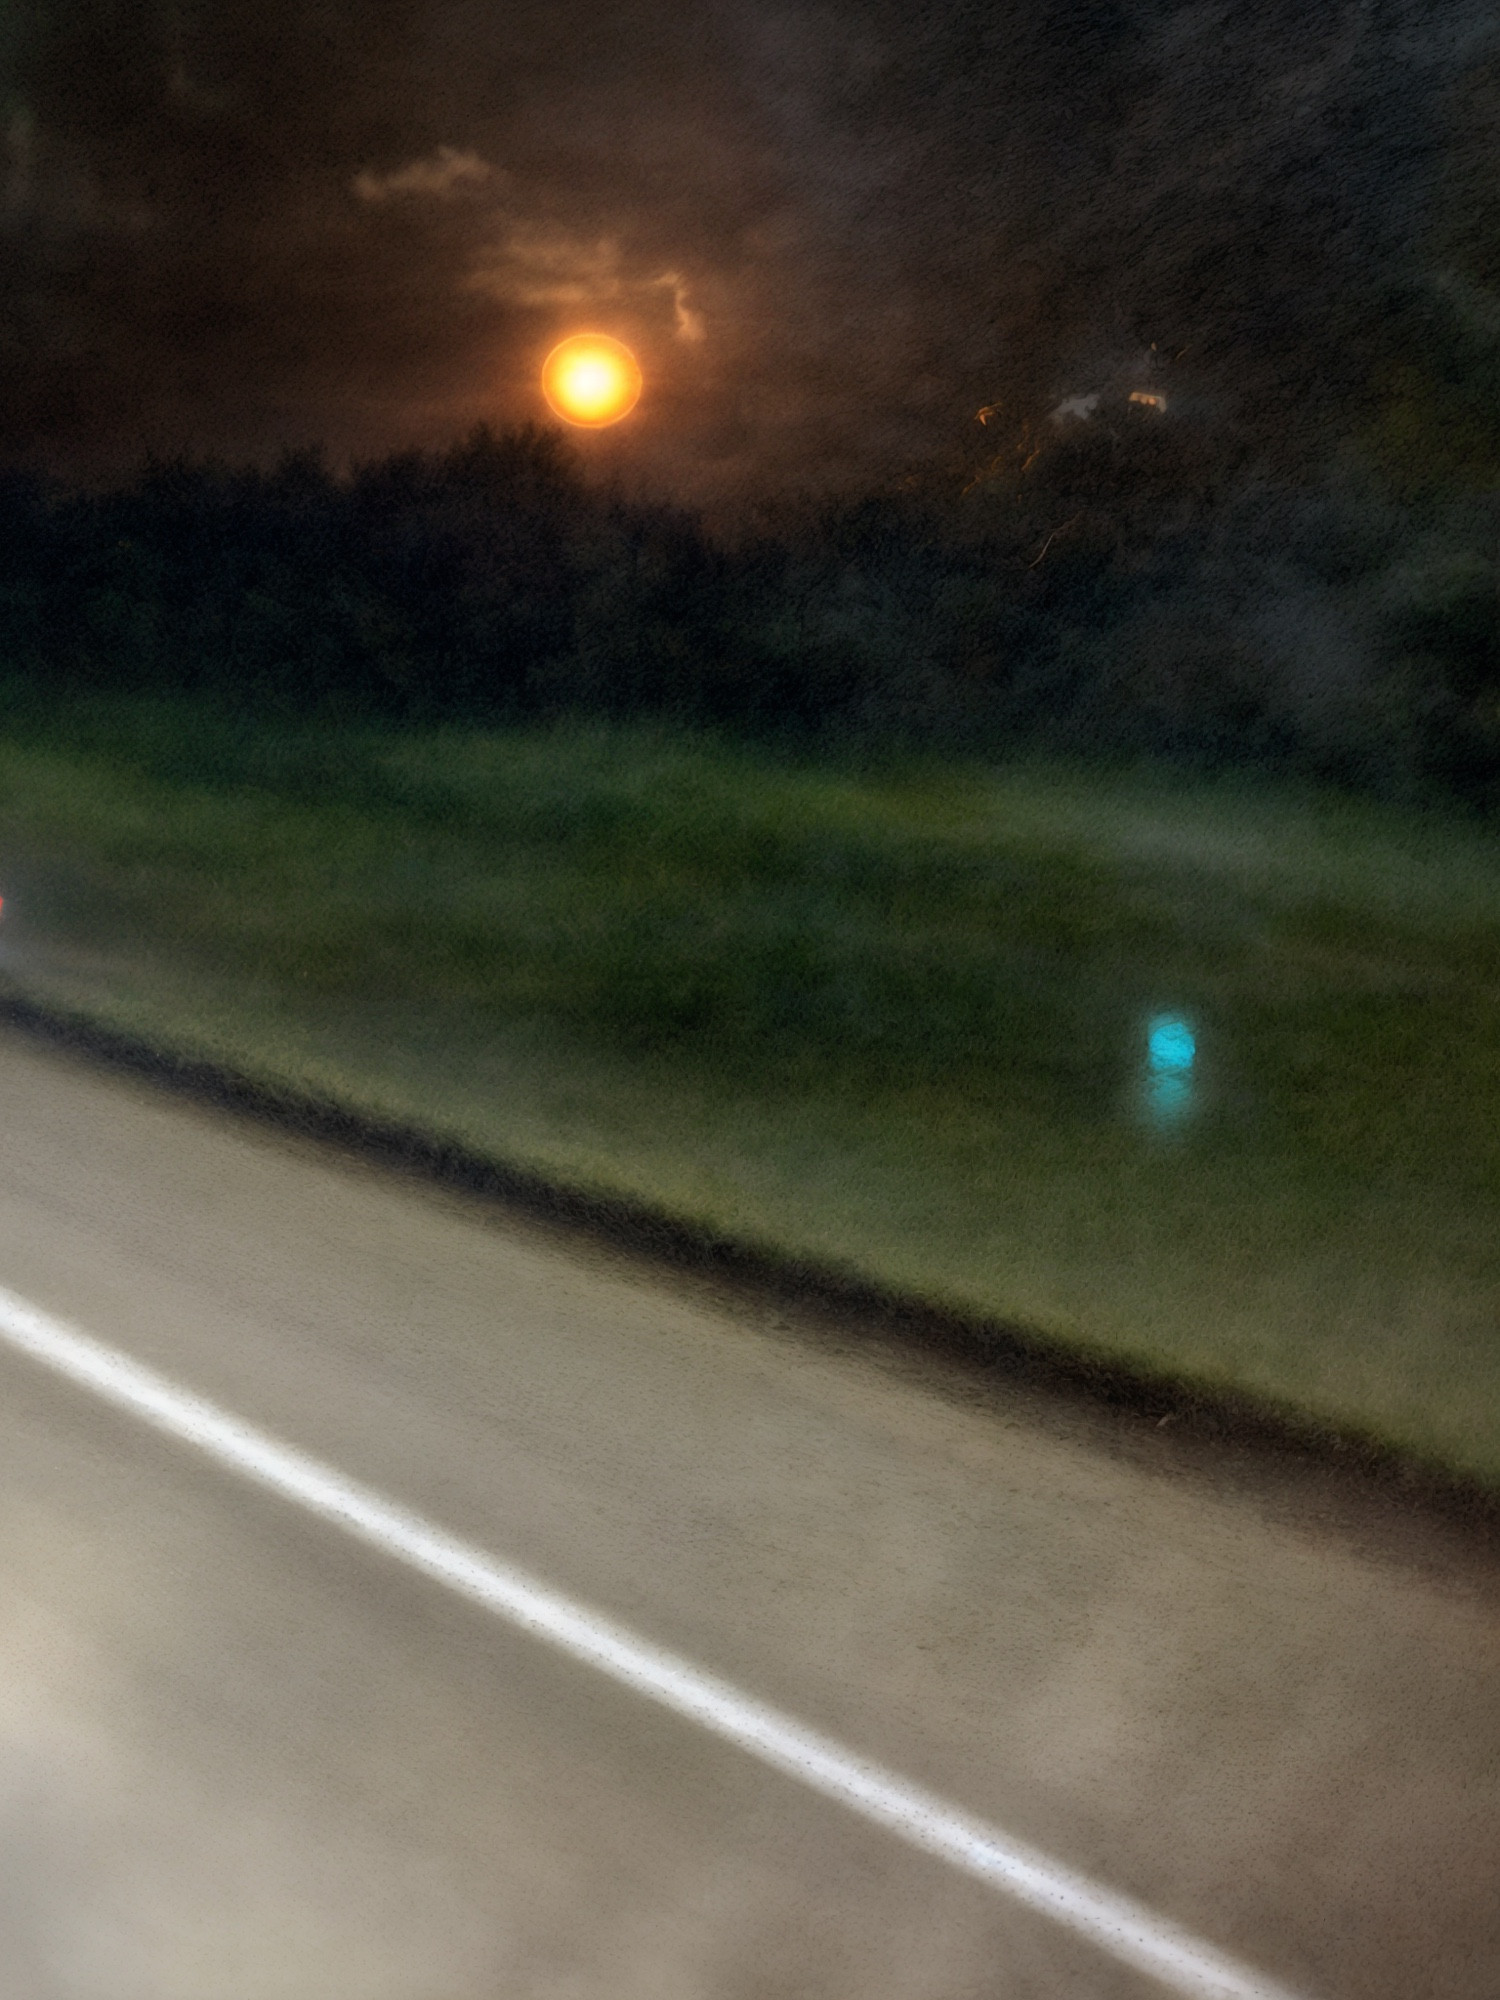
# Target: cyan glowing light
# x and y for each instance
(1169, 1098)
(1171, 1044)
(1168, 1088)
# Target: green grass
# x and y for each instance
(894, 1020)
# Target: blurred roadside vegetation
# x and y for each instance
(891, 1017)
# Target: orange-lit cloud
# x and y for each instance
(533, 264)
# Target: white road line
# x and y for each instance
(1125, 1929)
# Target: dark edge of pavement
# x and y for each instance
(1149, 1401)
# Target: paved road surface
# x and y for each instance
(243, 1757)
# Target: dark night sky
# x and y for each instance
(830, 231)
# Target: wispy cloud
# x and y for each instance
(534, 264)
(531, 264)
(691, 324)
(440, 176)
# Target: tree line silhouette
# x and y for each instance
(1126, 584)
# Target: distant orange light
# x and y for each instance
(591, 380)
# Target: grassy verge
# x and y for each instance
(897, 1021)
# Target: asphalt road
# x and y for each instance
(244, 1757)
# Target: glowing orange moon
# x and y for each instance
(591, 380)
